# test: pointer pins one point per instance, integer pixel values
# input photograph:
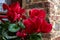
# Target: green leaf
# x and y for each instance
(3, 38)
(13, 28)
(35, 37)
(5, 25)
(14, 39)
(21, 25)
(0, 30)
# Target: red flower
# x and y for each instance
(14, 12)
(13, 16)
(33, 13)
(5, 6)
(42, 13)
(32, 25)
(37, 12)
(16, 8)
(27, 24)
(45, 27)
(23, 17)
(37, 25)
(21, 34)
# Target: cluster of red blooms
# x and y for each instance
(36, 22)
(14, 11)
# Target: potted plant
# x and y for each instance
(21, 27)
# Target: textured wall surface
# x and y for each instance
(55, 19)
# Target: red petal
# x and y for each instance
(46, 27)
(5, 6)
(42, 13)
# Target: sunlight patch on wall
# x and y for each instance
(55, 13)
